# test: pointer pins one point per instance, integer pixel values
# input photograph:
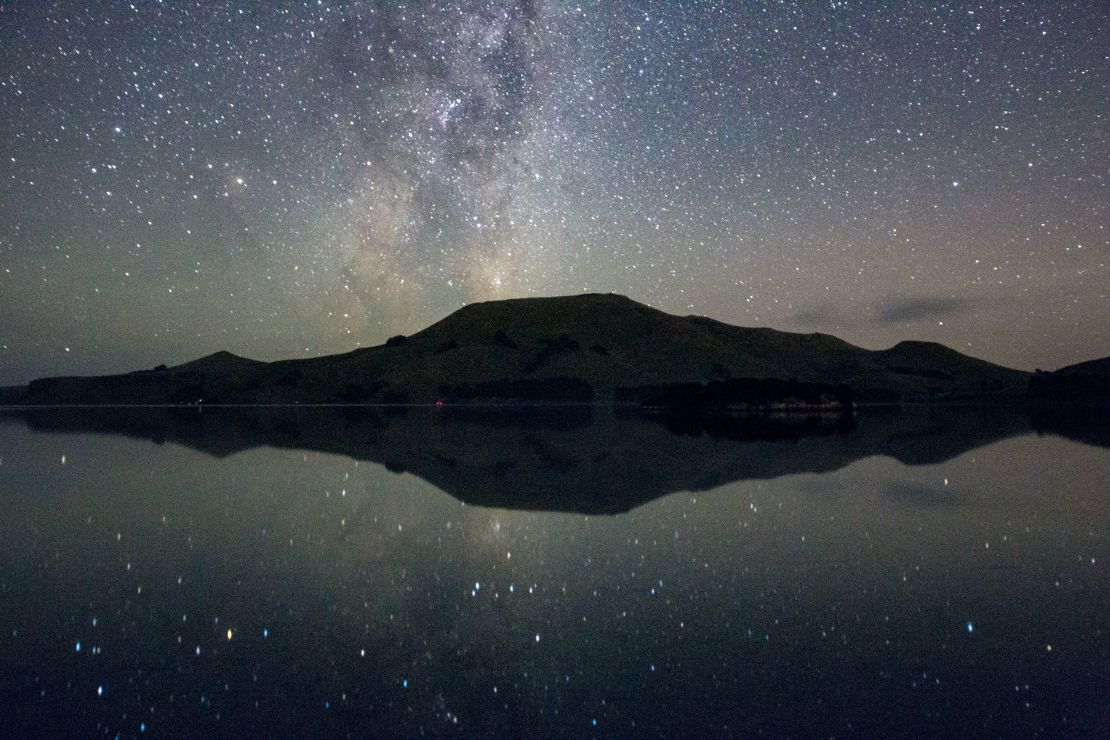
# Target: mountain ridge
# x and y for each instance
(592, 346)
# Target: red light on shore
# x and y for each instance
(440, 403)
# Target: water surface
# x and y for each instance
(368, 572)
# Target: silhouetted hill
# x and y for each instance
(221, 362)
(584, 348)
(1098, 368)
(1074, 401)
(1085, 383)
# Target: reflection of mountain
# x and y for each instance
(1087, 424)
(587, 461)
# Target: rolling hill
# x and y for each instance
(584, 348)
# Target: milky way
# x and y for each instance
(295, 179)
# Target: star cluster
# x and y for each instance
(292, 179)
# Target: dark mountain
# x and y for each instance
(1096, 368)
(1073, 401)
(219, 362)
(584, 348)
(1083, 383)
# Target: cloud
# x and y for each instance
(888, 311)
(908, 310)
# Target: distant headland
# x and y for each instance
(582, 349)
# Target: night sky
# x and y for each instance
(288, 180)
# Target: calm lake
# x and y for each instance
(382, 572)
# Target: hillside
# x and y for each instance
(1099, 368)
(1083, 383)
(585, 348)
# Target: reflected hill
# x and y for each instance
(585, 460)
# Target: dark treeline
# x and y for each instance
(738, 392)
(1069, 387)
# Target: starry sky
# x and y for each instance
(293, 179)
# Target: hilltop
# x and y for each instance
(583, 348)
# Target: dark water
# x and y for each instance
(373, 573)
